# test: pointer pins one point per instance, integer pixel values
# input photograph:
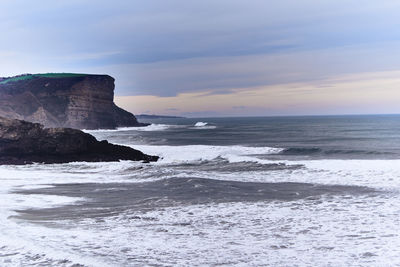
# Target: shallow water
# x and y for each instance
(305, 191)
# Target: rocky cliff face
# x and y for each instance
(63, 100)
(23, 142)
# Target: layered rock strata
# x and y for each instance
(78, 101)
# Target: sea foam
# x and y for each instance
(149, 128)
(176, 154)
(200, 124)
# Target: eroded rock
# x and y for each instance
(24, 142)
(80, 101)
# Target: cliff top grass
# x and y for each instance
(45, 75)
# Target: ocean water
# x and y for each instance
(284, 191)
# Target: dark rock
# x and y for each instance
(79, 101)
(23, 142)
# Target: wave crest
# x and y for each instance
(190, 153)
(200, 124)
(149, 128)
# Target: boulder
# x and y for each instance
(23, 142)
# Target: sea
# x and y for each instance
(256, 191)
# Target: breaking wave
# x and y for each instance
(149, 128)
(203, 126)
(200, 124)
(174, 154)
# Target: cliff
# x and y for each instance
(79, 101)
(23, 142)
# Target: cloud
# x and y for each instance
(221, 74)
(345, 94)
(176, 48)
(156, 30)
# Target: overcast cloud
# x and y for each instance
(165, 48)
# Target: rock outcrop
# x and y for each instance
(79, 101)
(23, 142)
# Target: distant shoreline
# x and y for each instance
(288, 116)
(147, 116)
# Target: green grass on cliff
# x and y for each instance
(17, 78)
(45, 75)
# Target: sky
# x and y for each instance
(216, 57)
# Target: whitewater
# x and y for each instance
(294, 191)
